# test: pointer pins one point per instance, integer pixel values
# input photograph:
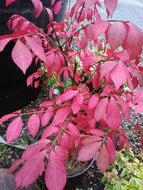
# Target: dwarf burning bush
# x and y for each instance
(83, 121)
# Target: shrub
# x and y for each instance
(125, 172)
(83, 121)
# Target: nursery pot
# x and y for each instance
(74, 180)
(14, 91)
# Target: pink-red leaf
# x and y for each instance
(113, 115)
(89, 2)
(8, 2)
(15, 165)
(91, 139)
(55, 177)
(14, 129)
(93, 102)
(57, 7)
(99, 28)
(66, 96)
(110, 6)
(97, 132)
(138, 109)
(134, 39)
(50, 14)
(101, 108)
(33, 124)
(107, 67)
(138, 96)
(125, 107)
(45, 118)
(61, 115)
(33, 167)
(36, 46)
(89, 150)
(116, 35)
(9, 116)
(22, 56)
(111, 150)
(37, 6)
(103, 159)
(50, 130)
(52, 2)
(119, 74)
(76, 104)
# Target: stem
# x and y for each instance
(118, 21)
(55, 140)
(75, 68)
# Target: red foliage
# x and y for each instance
(79, 118)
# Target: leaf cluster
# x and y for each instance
(126, 172)
(85, 114)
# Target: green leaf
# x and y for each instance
(117, 186)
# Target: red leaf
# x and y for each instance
(89, 150)
(123, 140)
(125, 107)
(61, 115)
(9, 116)
(107, 67)
(37, 6)
(22, 56)
(50, 130)
(57, 7)
(75, 105)
(67, 14)
(83, 42)
(45, 118)
(134, 39)
(36, 46)
(8, 2)
(32, 168)
(61, 153)
(91, 139)
(111, 150)
(97, 132)
(14, 129)
(113, 115)
(99, 28)
(89, 2)
(33, 124)
(3, 43)
(15, 165)
(52, 2)
(110, 6)
(136, 127)
(93, 102)
(119, 74)
(50, 14)
(116, 35)
(66, 96)
(35, 148)
(103, 159)
(138, 109)
(138, 96)
(101, 108)
(55, 177)
(73, 129)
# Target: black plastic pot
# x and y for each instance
(14, 93)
